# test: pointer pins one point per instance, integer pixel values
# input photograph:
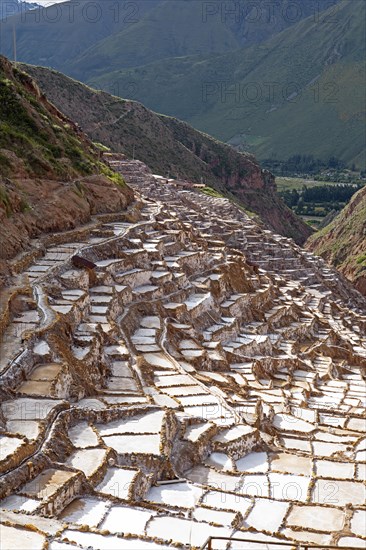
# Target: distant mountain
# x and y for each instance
(343, 242)
(115, 34)
(56, 34)
(51, 176)
(171, 147)
(300, 92)
(8, 8)
(259, 75)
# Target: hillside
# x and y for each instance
(113, 34)
(171, 147)
(269, 98)
(177, 29)
(50, 175)
(343, 242)
(41, 35)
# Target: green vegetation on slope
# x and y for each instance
(52, 178)
(39, 140)
(301, 91)
(115, 34)
(343, 242)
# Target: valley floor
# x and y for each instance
(206, 378)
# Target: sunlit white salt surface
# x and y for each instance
(335, 470)
(17, 502)
(358, 523)
(330, 420)
(41, 348)
(195, 299)
(28, 428)
(126, 520)
(291, 463)
(193, 433)
(226, 501)
(82, 436)
(253, 463)
(267, 515)
(357, 424)
(57, 545)
(88, 403)
(149, 423)
(299, 444)
(188, 344)
(207, 476)
(180, 494)
(26, 408)
(48, 526)
(233, 433)
(288, 487)
(8, 445)
(165, 401)
(85, 511)
(350, 541)
(173, 380)
(254, 485)
(307, 536)
(159, 360)
(291, 423)
(134, 443)
(121, 368)
(327, 449)
(117, 482)
(150, 322)
(185, 531)
(361, 446)
(316, 517)
(87, 460)
(220, 517)
(360, 456)
(339, 493)
(105, 542)
(14, 539)
(220, 460)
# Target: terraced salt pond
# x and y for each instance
(180, 391)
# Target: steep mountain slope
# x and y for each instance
(343, 242)
(50, 176)
(176, 28)
(114, 34)
(55, 34)
(171, 147)
(269, 98)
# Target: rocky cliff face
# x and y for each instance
(171, 147)
(51, 177)
(343, 242)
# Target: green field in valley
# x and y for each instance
(315, 200)
(287, 183)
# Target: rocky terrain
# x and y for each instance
(171, 148)
(343, 242)
(51, 176)
(183, 375)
